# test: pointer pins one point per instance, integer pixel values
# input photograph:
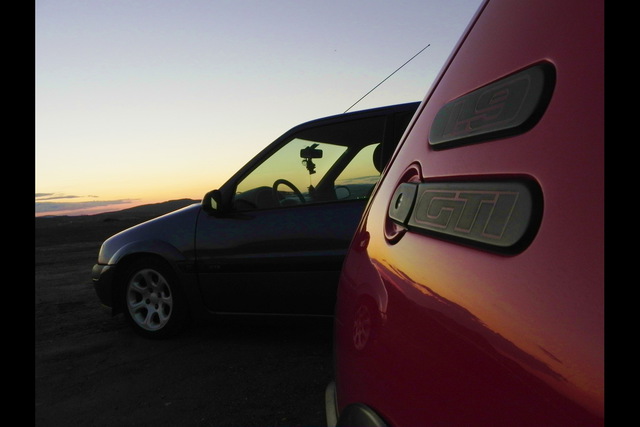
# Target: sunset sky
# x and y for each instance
(144, 101)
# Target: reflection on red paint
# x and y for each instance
(436, 329)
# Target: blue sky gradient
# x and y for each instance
(143, 101)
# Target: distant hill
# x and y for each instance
(151, 210)
(97, 227)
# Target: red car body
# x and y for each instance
(473, 291)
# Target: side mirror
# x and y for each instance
(212, 202)
(342, 192)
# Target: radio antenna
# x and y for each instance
(376, 86)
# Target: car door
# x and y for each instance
(278, 244)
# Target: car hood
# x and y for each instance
(170, 235)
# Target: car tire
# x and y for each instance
(153, 302)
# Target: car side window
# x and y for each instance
(286, 178)
(321, 164)
(357, 180)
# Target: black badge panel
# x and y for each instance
(502, 216)
(506, 107)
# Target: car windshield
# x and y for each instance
(287, 164)
(324, 163)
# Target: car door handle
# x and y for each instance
(402, 202)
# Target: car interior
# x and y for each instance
(324, 164)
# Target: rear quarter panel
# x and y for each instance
(468, 337)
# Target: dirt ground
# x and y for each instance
(92, 370)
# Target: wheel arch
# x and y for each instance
(162, 252)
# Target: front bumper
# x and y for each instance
(103, 277)
(355, 414)
(330, 404)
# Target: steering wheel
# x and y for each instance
(291, 186)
